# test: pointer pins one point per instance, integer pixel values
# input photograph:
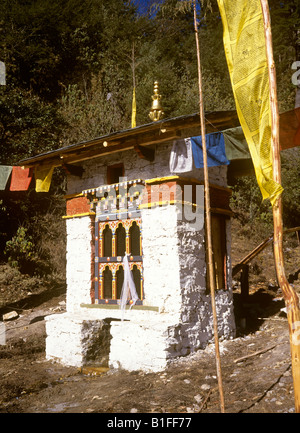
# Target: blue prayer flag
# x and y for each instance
(215, 147)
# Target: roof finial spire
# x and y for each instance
(156, 112)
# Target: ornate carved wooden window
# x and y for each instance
(114, 238)
(117, 231)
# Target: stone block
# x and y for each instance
(72, 340)
(12, 315)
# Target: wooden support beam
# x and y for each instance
(236, 269)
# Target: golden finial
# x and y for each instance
(156, 112)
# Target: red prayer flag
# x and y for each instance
(20, 178)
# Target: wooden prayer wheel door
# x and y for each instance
(113, 239)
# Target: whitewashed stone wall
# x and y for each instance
(79, 261)
(160, 259)
(196, 310)
(175, 280)
(139, 346)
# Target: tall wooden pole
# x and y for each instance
(290, 296)
(133, 112)
(210, 264)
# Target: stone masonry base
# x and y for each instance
(146, 341)
(74, 341)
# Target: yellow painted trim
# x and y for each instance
(174, 177)
(188, 179)
(68, 196)
(78, 215)
(161, 203)
(162, 179)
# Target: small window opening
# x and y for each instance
(119, 280)
(114, 173)
(107, 283)
(120, 240)
(107, 242)
(135, 240)
(137, 280)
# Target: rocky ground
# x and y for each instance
(256, 366)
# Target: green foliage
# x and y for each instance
(36, 39)
(285, 20)
(92, 113)
(250, 209)
(32, 232)
(27, 125)
(20, 249)
(74, 54)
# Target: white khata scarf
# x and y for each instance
(128, 290)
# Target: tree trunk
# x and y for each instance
(290, 296)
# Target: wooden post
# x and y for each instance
(290, 296)
(210, 263)
(244, 283)
(133, 113)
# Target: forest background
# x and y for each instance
(69, 78)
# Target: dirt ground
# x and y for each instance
(256, 365)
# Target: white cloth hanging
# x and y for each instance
(128, 290)
(181, 157)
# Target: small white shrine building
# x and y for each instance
(124, 197)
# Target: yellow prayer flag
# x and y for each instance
(133, 115)
(245, 50)
(43, 176)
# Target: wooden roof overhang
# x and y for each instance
(144, 136)
(135, 138)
